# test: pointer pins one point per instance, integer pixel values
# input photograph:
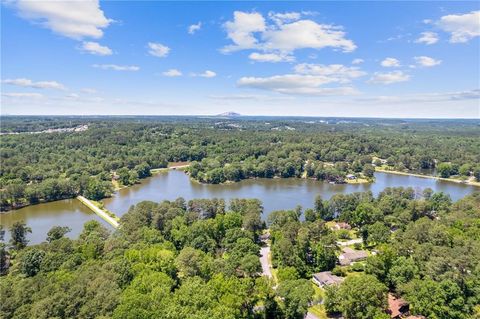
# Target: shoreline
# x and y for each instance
(40, 202)
(156, 171)
(466, 182)
(116, 188)
(102, 213)
(357, 181)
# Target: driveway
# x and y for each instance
(350, 242)
(311, 316)
(266, 271)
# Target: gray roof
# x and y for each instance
(327, 278)
(350, 255)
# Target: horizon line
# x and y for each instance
(240, 115)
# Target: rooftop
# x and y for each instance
(396, 306)
(327, 278)
(350, 255)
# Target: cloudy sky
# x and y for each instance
(369, 59)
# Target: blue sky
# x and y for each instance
(368, 59)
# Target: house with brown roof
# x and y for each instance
(397, 307)
(265, 236)
(341, 225)
(350, 256)
(326, 278)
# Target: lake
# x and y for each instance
(42, 217)
(275, 194)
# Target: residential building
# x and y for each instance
(326, 278)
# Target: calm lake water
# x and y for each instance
(40, 218)
(275, 194)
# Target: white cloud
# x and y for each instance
(172, 73)
(338, 72)
(89, 90)
(38, 85)
(241, 97)
(462, 28)
(73, 19)
(116, 67)
(307, 79)
(72, 96)
(194, 28)
(250, 31)
(358, 61)
(206, 74)
(158, 49)
(426, 97)
(390, 63)
(271, 57)
(241, 30)
(95, 48)
(428, 38)
(306, 34)
(389, 77)
(24, 95)
(426, 61)
(281, 18)
(295, 84)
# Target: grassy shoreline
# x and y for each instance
(466, 182)
(98, 209)
(156, 171)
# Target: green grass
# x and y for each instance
(102, 207)
(352, 232)
(273, 270)
(319, 292)
(319, 311)
(357, 181)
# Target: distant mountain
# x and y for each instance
(229, 114)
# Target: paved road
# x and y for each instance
(350, 242)
(266, 271)
(98, 211)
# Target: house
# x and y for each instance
(397, 307)
(326, 278)
(351, 176)
(265, 236)
(350, 256)
(341, 225)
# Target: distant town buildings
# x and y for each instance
(79, 128)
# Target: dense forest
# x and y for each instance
(200, 259)
(51, 166)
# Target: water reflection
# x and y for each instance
(40, 218)
(274, 193)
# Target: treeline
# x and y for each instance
(16, 195)
(212, 171)
(426, 250)
(125, 149)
